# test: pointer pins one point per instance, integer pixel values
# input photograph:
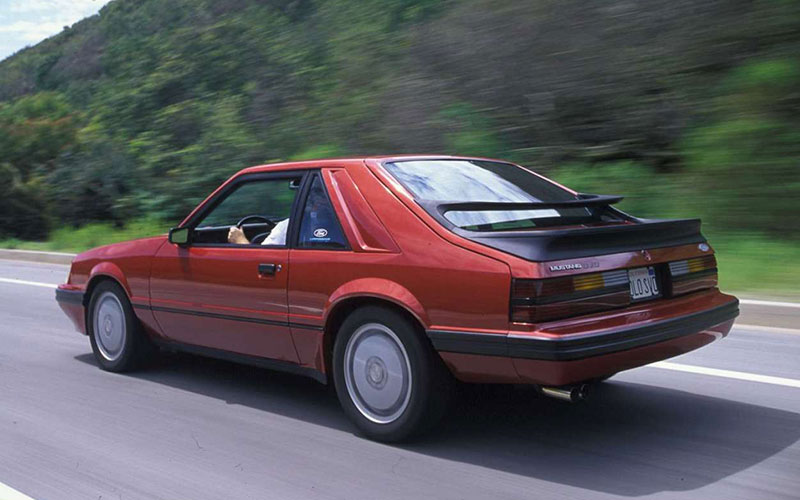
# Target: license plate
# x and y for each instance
(643, 283)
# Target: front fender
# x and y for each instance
(111, 270)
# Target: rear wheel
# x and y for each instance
(117, 341)
(388, 379)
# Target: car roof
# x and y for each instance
(344, 161)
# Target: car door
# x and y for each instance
(319, 265)
(232, 297)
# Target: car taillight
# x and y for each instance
(533, 301)
(693, 274)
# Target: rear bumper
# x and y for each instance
(558, 359)
(594, 344)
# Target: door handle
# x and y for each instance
(268, 269)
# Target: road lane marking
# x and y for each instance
(768, 329)
(752, 302)
(25, 282)
(716, 372)
(9, 493)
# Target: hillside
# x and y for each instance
(686, 107)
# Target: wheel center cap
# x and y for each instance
(107, 326)
(376, 372)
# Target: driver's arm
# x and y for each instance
(237, 237)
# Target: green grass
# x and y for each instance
(757, 265)
(69, 239)
(748, 263)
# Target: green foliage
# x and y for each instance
(469, 132)
(745, 174)
(744, 164)
(23, 206)
(34, 130)
(686, 108)
(71, 239)
(647, 193)
(749, 262)
(321, 151)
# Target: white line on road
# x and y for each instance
(768, 329)
(9, 493)
(24, 282)
(752, 302)
(715, 372)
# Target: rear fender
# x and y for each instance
(378, 288)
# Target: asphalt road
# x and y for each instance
(192, 428)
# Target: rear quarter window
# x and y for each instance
(319, 226)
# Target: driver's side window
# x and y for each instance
(267, 204)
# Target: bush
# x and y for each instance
(744, 163)
(23, 206)
(647, 193)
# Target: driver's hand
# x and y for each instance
(236, 236)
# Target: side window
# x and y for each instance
(319, 226)
(270, 199)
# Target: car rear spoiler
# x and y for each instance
(584, 200)
(438, 209)
(541, 245)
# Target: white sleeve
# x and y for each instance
(278, 234)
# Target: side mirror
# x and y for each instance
(179, 235)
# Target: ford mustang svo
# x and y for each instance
(392, 277)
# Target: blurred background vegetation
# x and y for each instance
(120, 124)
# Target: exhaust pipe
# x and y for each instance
(571, 394)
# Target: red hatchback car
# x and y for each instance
(391, 276)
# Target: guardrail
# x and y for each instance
(37, 256)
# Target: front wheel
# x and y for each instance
(388, 379)
(117, 341)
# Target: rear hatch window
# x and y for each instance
(511, 209)
(451, 181)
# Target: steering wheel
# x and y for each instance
(259, 237)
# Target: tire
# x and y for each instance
(118, 342)
(388, 379)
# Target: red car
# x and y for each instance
(391, 276)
